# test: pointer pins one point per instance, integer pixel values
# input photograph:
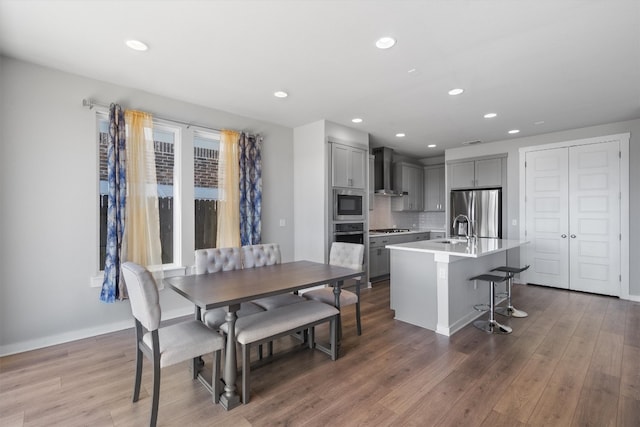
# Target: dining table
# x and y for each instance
(231, 288)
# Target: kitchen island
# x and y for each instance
(430, 284)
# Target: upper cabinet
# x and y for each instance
(371, 180)
(348, 166)
(434, 200)
(409, 179)
(476, 173)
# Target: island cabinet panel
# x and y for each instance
(414, 301)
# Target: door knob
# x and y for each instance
(573, 236)
(564, 236)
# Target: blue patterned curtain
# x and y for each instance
(116, 176)
(250, 189)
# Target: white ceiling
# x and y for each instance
(569, 64)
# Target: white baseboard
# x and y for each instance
(78, 334)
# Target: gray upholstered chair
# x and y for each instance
(214, 260)
(263, 255)
(168, 345)
(349, 255)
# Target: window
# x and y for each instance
(205, 170)
(165, 138)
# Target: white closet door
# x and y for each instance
(547, 214)
(594, 188)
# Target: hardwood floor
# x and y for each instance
(574, 361)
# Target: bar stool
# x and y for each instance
(510, 310)
(491, 325)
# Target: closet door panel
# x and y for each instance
(594, 190)
(547, 217)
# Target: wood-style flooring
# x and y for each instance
(574, 361)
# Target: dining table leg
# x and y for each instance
(337, 287)
(230, 397)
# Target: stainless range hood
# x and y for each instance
(383, 173)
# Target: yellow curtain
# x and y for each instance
(142, 219)
(229, 191)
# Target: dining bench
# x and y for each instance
(259, 328)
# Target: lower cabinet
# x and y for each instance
(379, 255)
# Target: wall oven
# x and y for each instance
(348, 205)
(348, 232)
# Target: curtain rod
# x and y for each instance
(90, 103)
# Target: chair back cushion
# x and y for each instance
(143, 295)
(213, 260)
(350, 255)
(260, 255)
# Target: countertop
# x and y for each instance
(459, 247)
(373, 234)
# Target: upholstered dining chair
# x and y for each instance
(165, 346)
(350, 255)
(214, 260)
(263, 255)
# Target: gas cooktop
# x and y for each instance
(390, 230)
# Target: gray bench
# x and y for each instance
(266, 326)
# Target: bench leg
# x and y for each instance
(312, 337)
(334, 337)
(246, 371)
(215, 378)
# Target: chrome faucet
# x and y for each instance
(460, 218)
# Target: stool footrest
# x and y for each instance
(482, 307)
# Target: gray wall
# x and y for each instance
(48, 199)
(512, 146)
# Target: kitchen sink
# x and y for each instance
(452, 241)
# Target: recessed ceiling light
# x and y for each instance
(431, 146)
(280, 94)
(540, 122)
(385, 42)
(136, 45)
(490, 115)
(400, 135)
(512, 131)
(456, 91)
(412, 70)
(357, 120)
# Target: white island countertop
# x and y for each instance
(473, 248)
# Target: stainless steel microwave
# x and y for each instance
(348, 205)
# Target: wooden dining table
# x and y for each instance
(230, 288)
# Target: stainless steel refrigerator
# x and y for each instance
(482, 207)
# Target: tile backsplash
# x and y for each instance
(383, 217)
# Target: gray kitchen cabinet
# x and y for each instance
(347, 166)
(371, 181)
(409, 179)
(379, 256)
(434, 200)
(476, 173)
(436, 235)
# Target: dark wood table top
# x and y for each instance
(226, 288)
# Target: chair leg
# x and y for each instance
(156, 379)
(358, 323)
(246, 371)
(139, 356)
(333, 337)
(215, 378)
